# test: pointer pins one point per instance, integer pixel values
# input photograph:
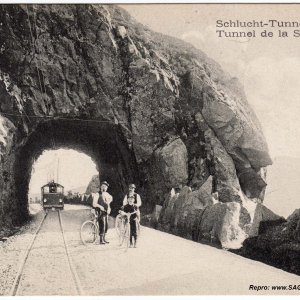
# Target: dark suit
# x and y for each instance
(102, 215)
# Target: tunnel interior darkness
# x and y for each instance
(102, 141)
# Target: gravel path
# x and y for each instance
(162, 264)
(42, 274)
(13, 250)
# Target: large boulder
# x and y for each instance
(169, 166)
(277, 242)
(227, 182)
(196, 215)
(264, 217)
(180, 213)
(221, 222)
(93, 186)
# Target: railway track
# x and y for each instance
(46, 267)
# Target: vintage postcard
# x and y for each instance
(149, 149)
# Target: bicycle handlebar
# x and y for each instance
(126, 214)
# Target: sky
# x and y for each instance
(268, 68)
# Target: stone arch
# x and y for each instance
(102, 141)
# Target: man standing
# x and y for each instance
(101, 202)
(136, 198)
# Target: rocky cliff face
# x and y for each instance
(147, 108)
(93, 186)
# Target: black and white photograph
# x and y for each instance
(149, 149)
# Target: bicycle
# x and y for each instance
(89, 230)
(122, 227)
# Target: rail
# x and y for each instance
(72, 268)
(15, 287)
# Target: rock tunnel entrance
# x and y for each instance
(101, 141)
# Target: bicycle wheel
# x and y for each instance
(119, 225)
(138, 228)
(88, 232)
(125, 237)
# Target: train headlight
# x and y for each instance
(60, 200)
(45, 200)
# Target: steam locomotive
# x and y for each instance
(52, 195)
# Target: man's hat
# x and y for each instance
(132, 186)
(105, 183)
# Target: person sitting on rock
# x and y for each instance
(130, 209)
(135, 196)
